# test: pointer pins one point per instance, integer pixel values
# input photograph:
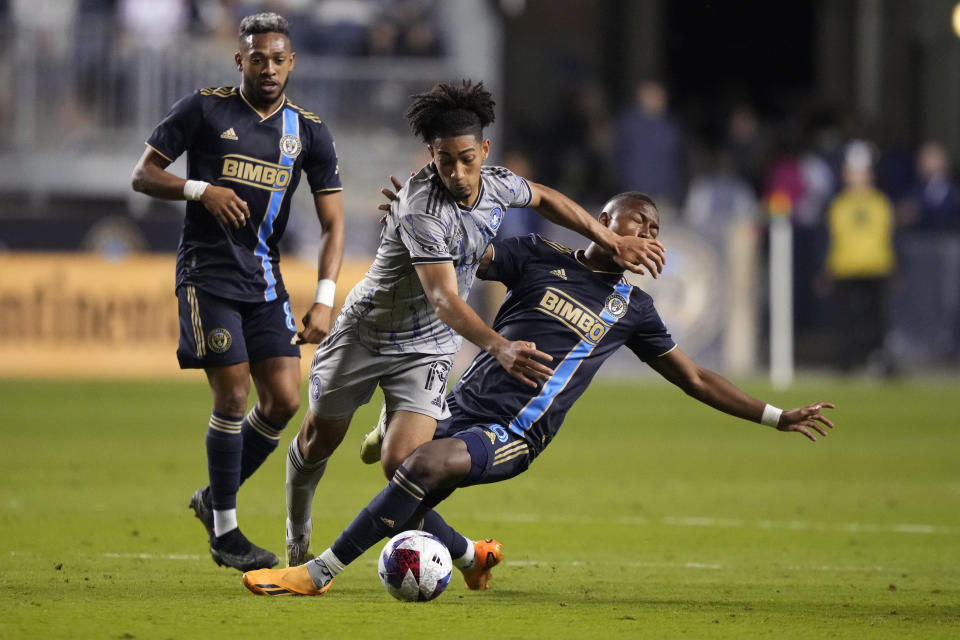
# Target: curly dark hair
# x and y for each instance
(264, 23)
(451, 110)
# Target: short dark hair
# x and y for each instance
(451, 110)
(264, 23)
(634, 196)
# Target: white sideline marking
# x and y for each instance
(153, 556)
(128, 556)
(707, 566)
(738, 523)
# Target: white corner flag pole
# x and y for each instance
(781, 292)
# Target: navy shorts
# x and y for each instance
(496, 453)
(216, 332)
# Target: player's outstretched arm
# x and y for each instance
(635, 254)
(316, 322)
(521, 359)
(713, 389)
(151, 177)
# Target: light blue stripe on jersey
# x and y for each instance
(291, 126)
(562, 374)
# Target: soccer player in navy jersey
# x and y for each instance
(579, 308)
(402, 324)
(246, 148)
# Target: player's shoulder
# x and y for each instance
(308, 116)
(498, 177)
(534, 245)
(423, 194)
(425, 184)
(496, 171)
(218, 92)
(638, 297)
(550, 246)
(213, 99)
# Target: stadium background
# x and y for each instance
(777, 90)
(652, 515)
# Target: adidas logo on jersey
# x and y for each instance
(229, 134)
(560, 273)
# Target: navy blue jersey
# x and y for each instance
(577, 315)
(230, 145)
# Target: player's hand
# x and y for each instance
(225, 205)
(316, 325)
(806, 419)
(390, 196)
(636, 253)
(520, 359)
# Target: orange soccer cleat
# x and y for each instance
(295, 581)
(487, 554)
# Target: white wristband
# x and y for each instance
(771, 416)
(325, 290)
(193, 189)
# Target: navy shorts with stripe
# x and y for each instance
(216, 332)
(496, 453)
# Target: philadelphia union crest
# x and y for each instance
(290, 145)
(616, 305)
(219, 340)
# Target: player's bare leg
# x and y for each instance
(477, 558)
(278, 387)
(306, 462)
(405, 431)
(436, 466)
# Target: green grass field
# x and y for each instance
(650, 516)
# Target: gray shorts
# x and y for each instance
(345, 373)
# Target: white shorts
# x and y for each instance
(345, 373)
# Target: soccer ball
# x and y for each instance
(414, 566)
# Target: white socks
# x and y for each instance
(465, 562)
(224, 521)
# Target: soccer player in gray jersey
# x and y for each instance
(402, 324)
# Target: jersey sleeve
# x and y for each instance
(651, 339)
(421, 224)
(510, 255)
(321, 164)
(511, 188)
(173, 134)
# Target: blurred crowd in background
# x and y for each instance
(861, 211)
(870, 218)
(336, 27)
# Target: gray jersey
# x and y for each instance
(389, 307)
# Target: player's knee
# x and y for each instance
(428, 466)
(231, 402)
(319, 437)
(279, 409)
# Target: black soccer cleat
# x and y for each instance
(203, 510)
(232, 549)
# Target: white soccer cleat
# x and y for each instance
(298, 546)
(373, 440)
(298, 551)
